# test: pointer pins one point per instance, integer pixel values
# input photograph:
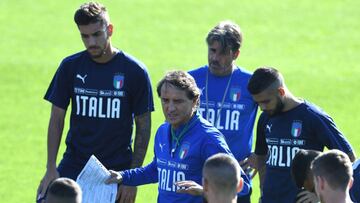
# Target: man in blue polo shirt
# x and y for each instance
(182, 144)
(286, 125)
(225, 101)
(108, 90)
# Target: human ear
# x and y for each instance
(196, 103)
(321, 182)
(281, 91)
(236, 54)
(205, 185)
(109, 29)
(351, 181)
(240, 185)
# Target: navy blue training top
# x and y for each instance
(355, 189)
(280, 137)
(104, 99)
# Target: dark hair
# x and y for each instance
(300, 165)
(263, 78)
(335, 167)
(228, 34)
(181, 80)
(91, 12)
(65, 189)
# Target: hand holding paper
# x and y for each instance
(115, 177)
(91, 180)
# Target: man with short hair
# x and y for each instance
(225, 101)
(109, 90)
(302, 175)
(286, 125)
(332, 172)
(221, 179)
(182, 143)
(63, 190)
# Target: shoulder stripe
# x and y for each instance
(356, 164)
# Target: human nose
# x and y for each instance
(171, 107)
(213, 57)
(91, 41)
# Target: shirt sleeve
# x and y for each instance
(329, 134)
(260, 145)
(220, 146)
(141, 176)
(142, 94)
(355, 189)
(210, 149)
(59, 90)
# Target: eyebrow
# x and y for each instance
(93, 34)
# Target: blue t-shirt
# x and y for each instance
(104, 99)
(282, 136)
(355, 189)
(238, 111)
(184, 162)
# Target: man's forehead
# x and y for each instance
(170, 91)
(91, 28)
(264, 95)
(168, 87)
(216, 44)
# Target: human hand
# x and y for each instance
(115, 177)
(126, 194)
(189, 187)
(307, 197)
(249, 165)
(50, 175)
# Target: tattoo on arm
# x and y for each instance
(142, 137)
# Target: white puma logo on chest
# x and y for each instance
(81, 77)
(268, 127)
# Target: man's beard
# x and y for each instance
(278, 108)
(98, 55)
(214, 65)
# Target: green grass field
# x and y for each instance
(315, 44)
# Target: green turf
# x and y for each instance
(314, 43)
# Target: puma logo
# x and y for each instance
(268, 127)
(81, 78)
(161, 146)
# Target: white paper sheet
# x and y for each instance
(91, 180)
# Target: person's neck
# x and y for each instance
(291, 102)
(110, 52)
(336, 197)
(218, 198)
(176, 127)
